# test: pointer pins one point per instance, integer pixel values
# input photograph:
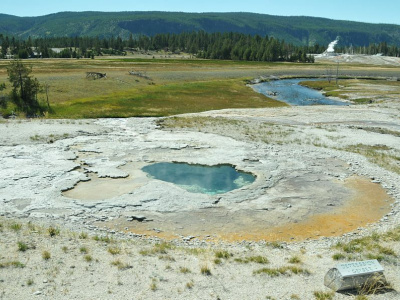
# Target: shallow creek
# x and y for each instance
(289, 91)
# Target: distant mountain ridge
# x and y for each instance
(296, 30)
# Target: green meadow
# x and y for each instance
(171, 86)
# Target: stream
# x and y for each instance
(290, 92)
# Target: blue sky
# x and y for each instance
(371, 11)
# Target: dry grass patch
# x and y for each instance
(381, 155)
(287, 270)
(262, 132)
(319, 295)
(184, 270)
(114, 250)
(88, 258)
(16, 226)
(205, 270)
(253, 259)
(358, 91)
(222, 254)
(12, 264)
(160, 248)
(376, 246)
(104, 239)
(53, 231)
(121, 265)
(46, 255)
(295, 260)
(190, 285)
(83, 236)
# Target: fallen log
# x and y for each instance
(139, 74)
(95, 75)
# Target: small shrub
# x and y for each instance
(22, 246)
(104, 239)
(295, 260)
(338, 256)
(64, 249)
(190, 285)
(88, 258)
(374, 285)
(46, 255)
(53, 231)
(16, 226)
(83, 235)
(217, 261)
(120, 265)
(83, 250)
(114, 250)
(153, 285)
(30, 282)
(205, 270)
(184, 270)
(222, 254)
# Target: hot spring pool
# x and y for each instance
(210, 180)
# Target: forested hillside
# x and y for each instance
(305, 31)
(228, 46)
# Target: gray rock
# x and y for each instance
(138, 218)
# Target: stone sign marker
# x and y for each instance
(353, 274)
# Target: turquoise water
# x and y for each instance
(289, 91)
(200, 179)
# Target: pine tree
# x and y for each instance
(24, 88)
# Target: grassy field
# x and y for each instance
(166, 100)
(176, 85)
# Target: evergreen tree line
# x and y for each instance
(230, 46)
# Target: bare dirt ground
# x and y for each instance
(71, 194)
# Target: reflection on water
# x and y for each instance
(289, 91)
(200, 179)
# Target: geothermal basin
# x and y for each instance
(96, 178)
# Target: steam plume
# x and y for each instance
(331, 46)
